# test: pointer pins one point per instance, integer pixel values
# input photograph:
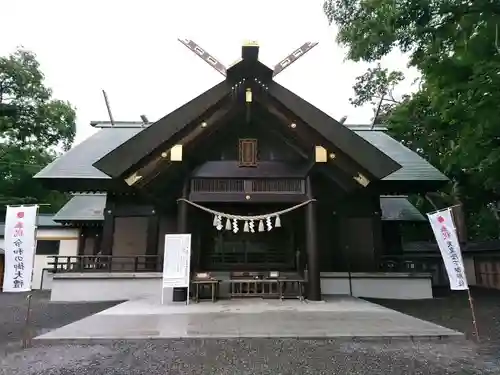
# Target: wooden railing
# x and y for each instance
(105, 263)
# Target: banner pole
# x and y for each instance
(443, 209)
(35, 245)
(474, 323)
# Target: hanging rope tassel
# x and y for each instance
(245, 227)
(261, 226)
(269, 224)
(277, 223)
(228, 224)
(235, 226)
(219, 222)
(252, 226)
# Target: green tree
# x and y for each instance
(34, 129)
(452, 119)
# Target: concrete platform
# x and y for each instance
(342, 317)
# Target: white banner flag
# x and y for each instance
(20, 242)
(447, 240)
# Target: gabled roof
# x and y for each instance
(399, 208)
(121, 158)
(77, 163)
(90, 207)
(371, 158)
(414, 166)
(83, 207)
(247, 74)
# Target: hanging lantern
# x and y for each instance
(228, 224)
(235, 226)
(252, 226)
(245, 227)
(269, 224)
(261, 226)
(277, 223)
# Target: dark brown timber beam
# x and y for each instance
(303, 131)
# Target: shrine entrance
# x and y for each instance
(258, 246)
(272, 250)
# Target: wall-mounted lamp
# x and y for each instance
(176, 153)
(248, 95)
(320, 154)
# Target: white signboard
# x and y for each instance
(447, 240)
(20, 243)
(176, 261)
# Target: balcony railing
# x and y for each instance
(105, 263)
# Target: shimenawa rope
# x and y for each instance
(246, 218)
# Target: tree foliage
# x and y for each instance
(453, 117)
(34, 129)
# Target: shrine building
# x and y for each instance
(268, 186)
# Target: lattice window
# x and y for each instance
(229, 185)
(217, 185)
(247, 153)
(278, 186)
(271, 250)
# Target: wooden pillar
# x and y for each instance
(378, 243)
(97, 240)
(152, 239)
(182, 218)
(108, 229)
(313, 272)
(182, 211)
(82, 239)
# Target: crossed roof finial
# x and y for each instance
(217, 65)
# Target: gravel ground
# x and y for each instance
(45, 316)
(452, 310)
(257, 356)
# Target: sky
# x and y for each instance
(130, 49)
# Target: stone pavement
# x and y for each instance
(342, 317)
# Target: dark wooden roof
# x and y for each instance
(249, 71)
(76, 166)
(371, 158)
(141, 145)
